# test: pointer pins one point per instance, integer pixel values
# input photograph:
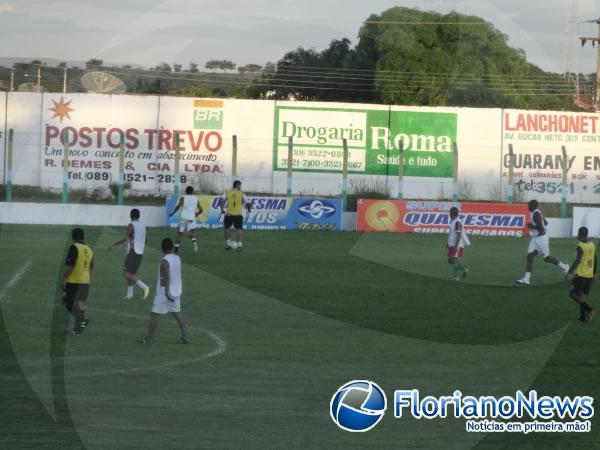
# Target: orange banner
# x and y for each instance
(432, 217)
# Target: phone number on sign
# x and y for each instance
(128, 177)
(317, 164)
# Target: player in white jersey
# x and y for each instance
(539, 244)
(135, 236)
(190, 209)
(457, 241)
(169, 289)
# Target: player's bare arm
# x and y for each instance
(576, 262)
(177, 207)
(127, 237)
(458, 228)
(538, 223)
(67, 274)
(164, 279)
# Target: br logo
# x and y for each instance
(358, 406)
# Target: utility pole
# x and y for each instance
(39, 79)
(571, 68)
(594, 41)
(12, 81)
(65, 81)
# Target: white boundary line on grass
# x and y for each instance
(14, 280)
(219, 350)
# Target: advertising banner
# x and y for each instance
(426, 217)
(270, 213)
(374, 138)
(537, 138)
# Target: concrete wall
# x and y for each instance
(91, 215)
(153, 216)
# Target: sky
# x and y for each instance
(148, 32)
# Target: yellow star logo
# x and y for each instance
(61, 109)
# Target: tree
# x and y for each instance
(212, 64)
(93, 64)
(163, 67)
(227, 65)
(193, 67)
(243, 69)
(307, 74)
(448, 64)
(253, 68)
(177, 68)
(270, 67)
(62, 65)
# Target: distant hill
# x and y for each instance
(9, 61)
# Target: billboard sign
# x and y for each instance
(431, 217)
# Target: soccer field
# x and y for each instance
(275, 331)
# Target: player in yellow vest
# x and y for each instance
(584, 270)
(233, 203)
(77, 279)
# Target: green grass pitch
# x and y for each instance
(275, 330)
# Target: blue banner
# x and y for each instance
(270, 213)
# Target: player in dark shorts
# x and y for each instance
(135, 237)
(232, 204)
(584, 269)
(76, 280)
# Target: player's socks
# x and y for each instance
(228, 244)
(79, 320)
(526, 279)
(195, 244)
(141, 284)
(176, 248)
(129, 293)
(564, 267)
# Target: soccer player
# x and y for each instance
(169, 288)
(232, 204)
(190, 209)
(135, 236)
(76, 280)
(457, 240)
(539, 244)
(584, 268)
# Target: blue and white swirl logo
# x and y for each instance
(317, 209)
(358, 406)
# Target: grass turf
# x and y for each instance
(275, 331)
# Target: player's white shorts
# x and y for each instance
(186, 225)
(541, 244)
(162, 305)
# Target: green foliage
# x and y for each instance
(427, 58)
(307, 74)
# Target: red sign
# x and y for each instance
(432, 217)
